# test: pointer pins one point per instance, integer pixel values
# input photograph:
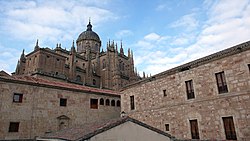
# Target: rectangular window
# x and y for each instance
(63, 102)
(14, 126)
(189, 89)
(229, 128)
(194, 129)
(248, 67)
(164, 93)
(94, 103)
(167, 127)
(221, 82)
(132, 102)
(18, 98)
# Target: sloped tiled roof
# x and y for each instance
(29, 80)
(89, 130)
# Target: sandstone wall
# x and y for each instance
(208, 106)
(40, 109)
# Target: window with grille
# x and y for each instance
(221, 82)
(132, 102)
(18, 98)
(94, 103)
(189, 89)
(229, 128)
(194, 129)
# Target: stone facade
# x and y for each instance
(40, 106)
(161, 100)
(87, 65)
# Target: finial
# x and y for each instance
(60, 45)
(129, 52)
(121, 43)
(89, 26)
(56, 45)
(22, 55)
(89, 21)
(37, 42)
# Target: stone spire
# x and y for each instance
(121, 49)
(37, 46)
(73, 47)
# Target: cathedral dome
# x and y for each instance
(88, 35)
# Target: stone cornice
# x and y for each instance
(193, 64)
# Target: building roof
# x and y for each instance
(34, 81)
(88, 34)
(87, 131)
(193, 64)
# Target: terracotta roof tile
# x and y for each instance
(35, 80)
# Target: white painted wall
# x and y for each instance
(129, 131)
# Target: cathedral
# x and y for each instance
(84, 65)
(89, 94)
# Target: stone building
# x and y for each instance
(31, 107)
(208, 98)
(86, 65)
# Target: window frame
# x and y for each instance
(194, 129)
(93, 103)
(107, 102)
(190, 89)
(101, 102)
(229, 130)
(63, 102)
(167, 127)
(221, 82)
(164, 92)
(19, 99)
(118, 103)
(132, 102)
(113, 102)
(14, 127)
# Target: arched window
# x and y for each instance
(78, 78)
(118, 103)
(101, 101)
(113, 103)
(107, 102)
(94, 82)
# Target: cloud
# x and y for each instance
(123, 33)
(27, 20)
(8, 58)
(189, 22)
(227, 24)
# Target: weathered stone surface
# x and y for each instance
(39, 111)
(208, 106)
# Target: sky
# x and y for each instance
(161, 33)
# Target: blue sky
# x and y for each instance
(162, 33)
